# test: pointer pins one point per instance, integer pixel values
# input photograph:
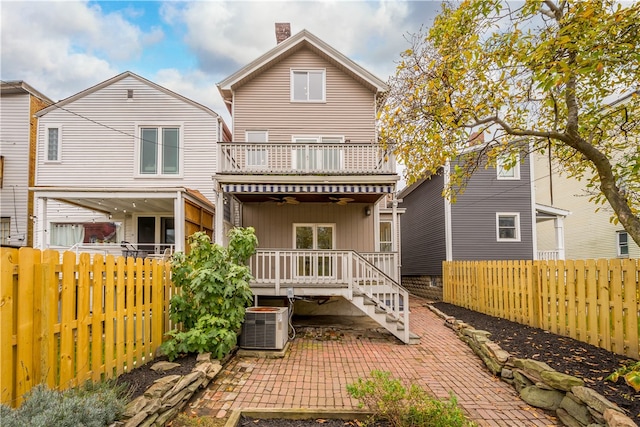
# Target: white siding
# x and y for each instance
(14, 146)
(588, 234)
(99, 137)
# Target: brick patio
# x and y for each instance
(314, 374)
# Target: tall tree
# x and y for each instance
(544, 73)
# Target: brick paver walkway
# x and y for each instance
(314, 374)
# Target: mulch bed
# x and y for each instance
(140, 379)
(591, 364)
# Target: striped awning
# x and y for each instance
(308, 188)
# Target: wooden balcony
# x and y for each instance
(304, 159)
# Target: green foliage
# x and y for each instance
(90, 406)
(630, 373)
(389, 399)
(544, 73)
(214, 292)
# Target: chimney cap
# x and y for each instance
(283, 31)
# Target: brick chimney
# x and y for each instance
(283, 31)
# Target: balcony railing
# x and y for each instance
(310, 159)
(548, 255)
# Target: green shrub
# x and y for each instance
(214, 292)
(90, 406)
(389, 399)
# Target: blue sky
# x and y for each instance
(63, 47)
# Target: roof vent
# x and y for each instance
(129, 93)
(283, 31)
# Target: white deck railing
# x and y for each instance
(548, 255)
(271, 158)
(385, 261)
(331, 269)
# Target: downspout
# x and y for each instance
(447, 217)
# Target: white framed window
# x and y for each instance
(386, 243)
(323, 158)
(5, 230)
(507, 227)
(308, 85)
(314, 237)
(53, 135)
(256, 156)
(508, 168)
(160, 151)
(622, 243)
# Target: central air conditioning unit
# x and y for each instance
(265, 328)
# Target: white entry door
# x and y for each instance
(317, 238)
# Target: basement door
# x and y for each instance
(315, 240)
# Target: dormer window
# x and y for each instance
(308, 85)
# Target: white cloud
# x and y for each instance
(227, 35)
(64, 47)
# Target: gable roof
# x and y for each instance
(117, 78)
(20, 86)
(303, 39)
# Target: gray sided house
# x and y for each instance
(493, 219)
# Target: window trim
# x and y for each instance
(380, 241)
(138, 150)
(323, 71)
(46, 145)
(619, 245)
(516, 215)
(500, 168)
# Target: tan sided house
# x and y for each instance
(306, 171)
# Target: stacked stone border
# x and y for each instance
(162, 401)
(539, 385)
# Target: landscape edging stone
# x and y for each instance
(165, 400)
(591, 405)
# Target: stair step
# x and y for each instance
(391, 319)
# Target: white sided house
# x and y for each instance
(306, 171)
(18, 104)
(128, 161)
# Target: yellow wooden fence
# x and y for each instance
(594, 301)
(82, 319)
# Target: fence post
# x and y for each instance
(536, 294)
(7, 307)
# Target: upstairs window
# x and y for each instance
(308, 85)
(160, 151)
(508, 227)
(508, 168)
(623, 244)
(5, 230)
(53, 144)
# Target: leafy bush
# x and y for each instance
(388, 399)
(214, 292)
(90, 406)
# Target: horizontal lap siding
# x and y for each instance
(15, 149)
(98, 149)
(274, 224)
(473, 216)
(572, 194)
(423, 230)
(264, 104)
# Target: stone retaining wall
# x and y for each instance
(168, 395)
(540, 385)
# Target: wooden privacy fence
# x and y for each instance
(594, 301)
(64, 323)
